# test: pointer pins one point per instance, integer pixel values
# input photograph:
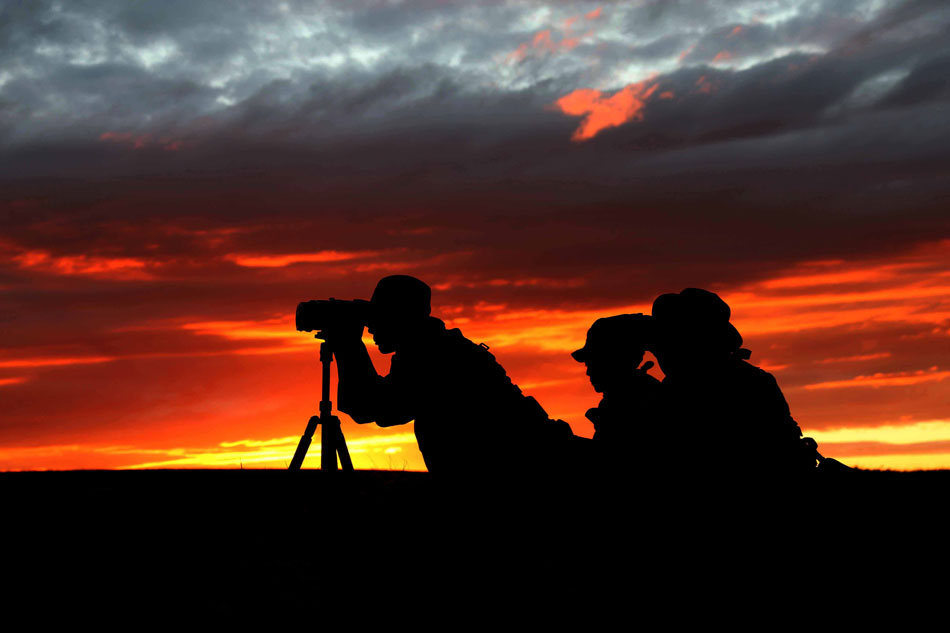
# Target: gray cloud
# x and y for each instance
(930, 81)
(229, 56)
(340, 127)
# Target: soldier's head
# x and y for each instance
(614, 349)
(693, 331)
(399, 307)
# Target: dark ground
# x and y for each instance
(230, 542)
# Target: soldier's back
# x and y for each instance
(765, 431)
(734, 421)
(471, 416)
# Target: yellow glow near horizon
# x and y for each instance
(914, 433)
(923, 461)
(277, 453)
(376, 452)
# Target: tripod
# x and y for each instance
(331, 437)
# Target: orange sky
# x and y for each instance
(173, 182)
(857, 347)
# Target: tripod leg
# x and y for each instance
(328, 443)
(304, 444)
(345, 462)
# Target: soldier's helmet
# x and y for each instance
(614, 336)
(401, 297)
(696, 316)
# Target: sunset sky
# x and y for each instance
(176, 176)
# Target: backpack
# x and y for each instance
(525, 415)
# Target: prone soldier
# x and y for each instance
(730, 417)
(625, 418)
(471, 421)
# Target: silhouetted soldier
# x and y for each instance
(626, 418)
(725, 417)
(470, 420)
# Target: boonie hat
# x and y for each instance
(697, 313)
(402, 294)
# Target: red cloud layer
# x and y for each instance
(854, 346)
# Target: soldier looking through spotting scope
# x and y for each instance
(470, 419)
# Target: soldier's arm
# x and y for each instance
(362, 393)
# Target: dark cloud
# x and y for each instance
(930, 81)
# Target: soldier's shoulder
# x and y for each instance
(746, 368)
(454, 340)
(763, 385)
(749, 374)
(455, 346)
(444, 340)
